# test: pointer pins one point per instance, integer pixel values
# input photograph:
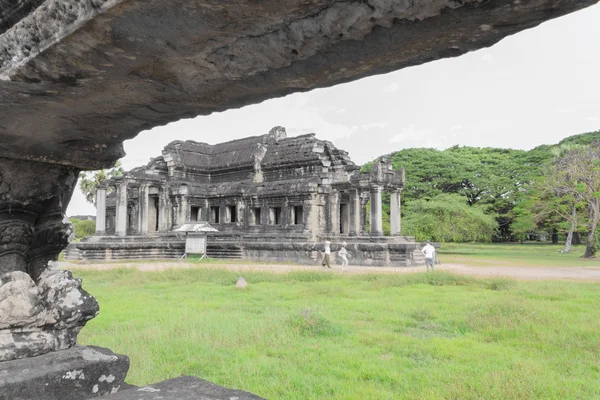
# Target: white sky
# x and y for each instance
(536, 87)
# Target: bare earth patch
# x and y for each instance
(515, 272)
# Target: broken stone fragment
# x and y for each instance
(38, 318)
(241, 283)
(20, 302)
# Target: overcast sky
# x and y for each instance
(536, 87)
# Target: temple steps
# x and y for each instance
(231, 253)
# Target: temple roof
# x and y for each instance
(265, 152)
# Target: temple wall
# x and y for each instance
(295, 248)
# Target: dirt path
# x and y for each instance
(521, 273)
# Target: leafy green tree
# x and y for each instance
(448, 218)
(83, 227)
(575, 176)
(493, 178)
(549, 207)
(89, 180)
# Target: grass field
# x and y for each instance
(524, 255)
(310, 335)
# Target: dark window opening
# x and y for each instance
(275, 215)
(214, 215)
(195, 213)
(230, 214)
(298, 215)
(256, 216)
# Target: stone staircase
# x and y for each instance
(229, 253)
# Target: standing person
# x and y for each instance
(326, 257)
(343, 253)
(429, 252)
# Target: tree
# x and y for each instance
(83, 227)
(575, 176)
(448, 218)
(90, 180)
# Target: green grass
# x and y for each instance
(316, 335)
(523, 255)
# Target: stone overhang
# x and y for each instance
(80, 77)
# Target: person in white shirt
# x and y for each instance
(343, 253)
(327, 251)
(429, 252)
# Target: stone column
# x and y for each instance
(183, 210)
(333, 215)
(42, 308)
(354, 212)
(121, 210)
(101, 210)
(144, 209)
(364, 200)
(311, 216)
(376, 212)
(395, 219)
(164, 210)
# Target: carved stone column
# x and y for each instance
(42, 309)
(121, 210)
(101, 210)
(165, 208)
(143, 209)
(364, 200)
(376, 212)
(354, 212)
(312, 218)
(395, 219)
(183, 208)
(333, 214)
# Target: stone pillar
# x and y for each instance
(183, 210)
(364, 200)
(121, 210)
(311, 217)
(376, 212)
(101, 210)
(164, 210)
(42, 309)
(333, 214)
(395, 219)
(144, 209)
(354, 209)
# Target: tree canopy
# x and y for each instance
(90, 180)
(449, 218)
(498, 181)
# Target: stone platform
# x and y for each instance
(295, 248)
(80, 372)
(183, 388)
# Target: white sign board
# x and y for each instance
(195, 244)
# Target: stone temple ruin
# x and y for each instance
(77, 78)
(271, 197)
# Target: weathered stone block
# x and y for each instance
(183, 388)
(74, 374)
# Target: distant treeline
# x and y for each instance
(480, 194)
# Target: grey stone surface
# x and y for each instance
(41, 309)
(97, 72)
(75, 374)
(183, 388)
(42, 316)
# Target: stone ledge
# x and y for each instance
(78, 373)
(183, 388)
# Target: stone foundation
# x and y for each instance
(290, 248)
(75, 374)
